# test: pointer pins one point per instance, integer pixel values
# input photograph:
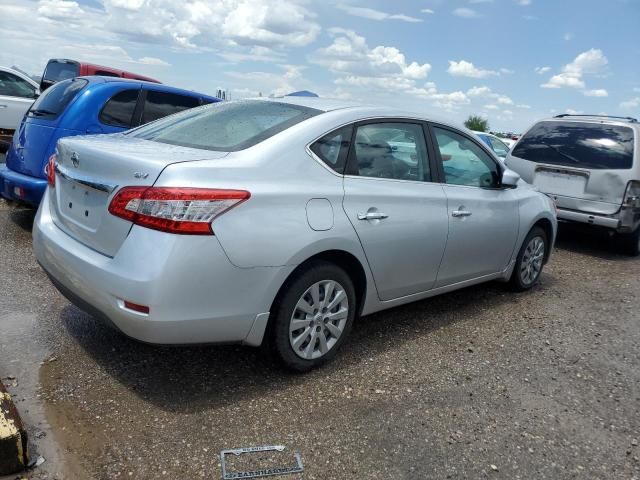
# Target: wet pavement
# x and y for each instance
(477, 383)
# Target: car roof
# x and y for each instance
(19, 74)
(99, 79)
(599, 119)
(359, 109)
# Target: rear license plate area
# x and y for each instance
(80, 204)
(560, 183)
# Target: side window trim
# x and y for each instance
(139, 110)
(350, 164)
(440, 166)
(319, 159)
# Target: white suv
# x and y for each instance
(590, 165)
(17, 93)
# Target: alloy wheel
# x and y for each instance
(532, 260)
(318, 319)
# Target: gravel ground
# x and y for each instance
(473, 384)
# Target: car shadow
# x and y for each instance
(591, 241)
(190, 379)
(23, 216)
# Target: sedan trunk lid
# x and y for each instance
(90, 170)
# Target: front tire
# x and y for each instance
(312, 316)
(530, 260)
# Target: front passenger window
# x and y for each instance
(390, 150)
(464, 162)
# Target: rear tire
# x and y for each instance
(629, 243)
(312, 316)
(530, 260)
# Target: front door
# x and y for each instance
(399, 214)
(483, 217)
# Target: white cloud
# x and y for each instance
(542, 70)
(468, 69)
(59, 9)
(491, 107)
(427, 11)
(350, 56)
(465, 12)
(571, 111)
(591, 62)
(486, 92)
(524, 3)
(600, 92)
(524, 106)
(630, 104)
(636, 89)
(568, 36)
(372, 14)
(153, 61)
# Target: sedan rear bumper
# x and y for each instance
(194, 293)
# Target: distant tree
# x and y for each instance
(477, 123)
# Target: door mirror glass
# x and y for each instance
(510, 178)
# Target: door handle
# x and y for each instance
(372, 216)
(460, 213)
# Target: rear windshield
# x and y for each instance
(56, 98)
(226, 126)
(585, 145)
(58, 71)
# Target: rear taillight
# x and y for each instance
(50, 170)
(188, 211)
(632, 194)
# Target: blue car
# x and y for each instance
(82, 106)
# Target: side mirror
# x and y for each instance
(36, 93)
(510, 178)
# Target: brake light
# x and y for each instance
(187, 211)
(50, 170)
(632, 194)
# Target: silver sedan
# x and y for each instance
(281, 221)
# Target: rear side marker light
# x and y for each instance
(187, 211)
(135, 307)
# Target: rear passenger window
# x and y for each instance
(118, 111)
(390, 150)
(333, 148)
(161, 104)
(578, 144)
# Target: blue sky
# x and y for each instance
(513, 61)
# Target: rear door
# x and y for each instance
(158, 104)
(397, 210)
(584, 165)
(483, 218)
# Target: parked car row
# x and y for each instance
(278, 221)
(82, 106)
(18, 91)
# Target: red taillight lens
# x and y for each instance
(50, 170)
(136, 307)
(188, 211)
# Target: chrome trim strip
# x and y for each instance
(85, 181)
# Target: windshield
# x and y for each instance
(55, 99)
(578, 144)
(225, 126)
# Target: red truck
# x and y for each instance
(58, 69)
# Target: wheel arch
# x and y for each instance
(341, 258)
(546, 225)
